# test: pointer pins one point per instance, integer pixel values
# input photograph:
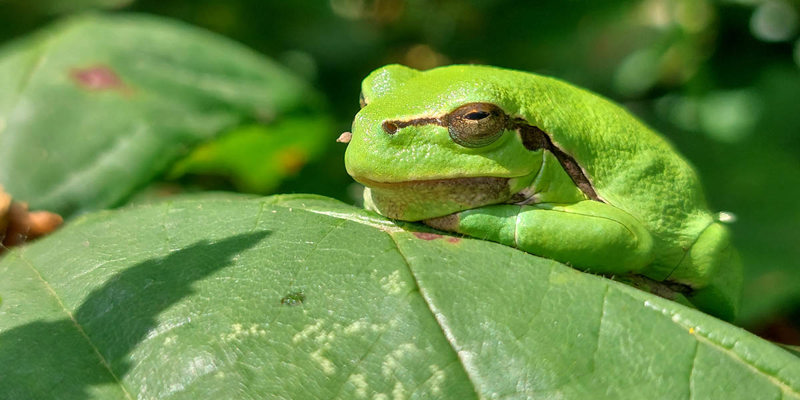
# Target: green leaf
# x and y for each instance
(256, 157)
(305, 297)
(63, 7)
(93, 108)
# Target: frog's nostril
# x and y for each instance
(390, 127)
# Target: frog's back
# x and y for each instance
(629, 165)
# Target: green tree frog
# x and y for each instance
(551, 169)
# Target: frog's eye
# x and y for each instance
(361, 100)
(476, 124)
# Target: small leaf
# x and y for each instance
(305, 297)
(257, 157)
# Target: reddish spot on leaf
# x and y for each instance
(427, 235)
(432, 236)
(98, 77)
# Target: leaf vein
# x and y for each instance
(600, 328)
(436, 316)
(780, 383)
(77, 325)
(692, 368)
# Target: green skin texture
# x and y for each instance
(650, 218)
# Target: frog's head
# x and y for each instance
(428, 144)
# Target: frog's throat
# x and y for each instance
(533, 138)
(422, 199)
(491, 186)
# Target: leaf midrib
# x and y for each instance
(784, 386)
(433, 314)
(75, 323)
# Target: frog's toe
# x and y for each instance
(720, 297)
(713, 270)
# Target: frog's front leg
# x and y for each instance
(590, 235)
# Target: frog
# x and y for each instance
(539, 164)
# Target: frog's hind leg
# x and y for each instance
(589, 235)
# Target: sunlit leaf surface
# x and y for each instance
(304, 297)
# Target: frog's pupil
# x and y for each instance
(476, 115)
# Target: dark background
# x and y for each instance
(720, 79)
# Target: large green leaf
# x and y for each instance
(97, 106)
(303, 297)
(62, 7)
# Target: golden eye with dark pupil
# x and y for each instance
(476, 124)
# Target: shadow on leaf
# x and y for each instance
(63, 359)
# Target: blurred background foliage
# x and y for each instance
(721, 79)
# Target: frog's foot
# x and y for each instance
(714, 272)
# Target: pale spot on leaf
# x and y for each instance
(436, 380)
(392, 284)
(398, 392)
(395, 359)
(239, 332)
(326, 364)
(307, 332)
(359, 382)
(355, 328)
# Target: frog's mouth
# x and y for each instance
(422, 199)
